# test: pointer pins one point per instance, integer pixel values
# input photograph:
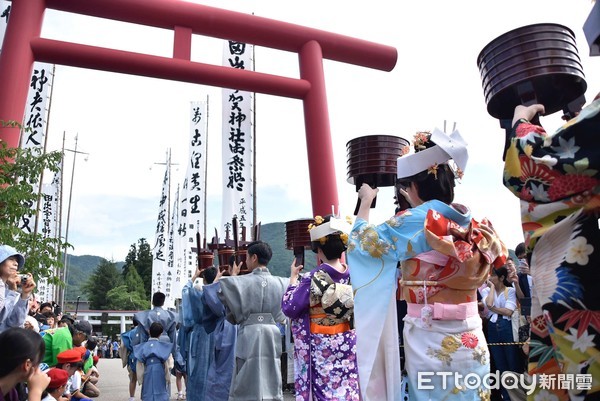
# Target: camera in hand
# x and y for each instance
(22, 279)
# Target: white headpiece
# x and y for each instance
(334, 225)
(447, 147)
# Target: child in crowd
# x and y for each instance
(71, 361)
(58, 383)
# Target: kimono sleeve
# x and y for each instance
(210, 296)
(139, 352)
(187, 314)
(296, 299)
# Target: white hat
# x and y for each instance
(334, 225)
(6, 251)
(33, 322)
(447, 147)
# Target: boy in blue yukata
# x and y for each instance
(151, 357)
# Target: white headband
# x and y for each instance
(447, 147)
(334, 225)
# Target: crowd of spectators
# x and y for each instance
(46, 354)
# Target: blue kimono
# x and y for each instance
(153, 355)
(220, 370)
(181, 349)
(127, 338)
(168, 320)
(201, 344)
(445, 256)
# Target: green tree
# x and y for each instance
(120, 298)
(105, 278)
(134, 283)
(20, 171)
(140, 257)
(131, 295)
(130, 259)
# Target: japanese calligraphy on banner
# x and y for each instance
(237, 145)
(169, 277)
(191, 219)
(48, 218)
(35, 122)
(35, 110)
(159, 251)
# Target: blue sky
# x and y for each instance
(126, 123)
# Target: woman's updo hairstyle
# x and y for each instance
(438, 181)
(332, 245)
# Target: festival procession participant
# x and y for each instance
(253, 302)
(320, 307)
(151, 356)
(220, 370)
(445, 256)
(127, 358)
(201, 344)
(167, 318)
(561, 194)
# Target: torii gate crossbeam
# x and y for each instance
(23, 45)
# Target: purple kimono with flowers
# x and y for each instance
(324, 364)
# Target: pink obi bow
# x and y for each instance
(446, 311)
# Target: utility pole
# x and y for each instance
(168, 164)
(65, 271)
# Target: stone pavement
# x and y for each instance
(114, 382)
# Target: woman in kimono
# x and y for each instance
(444, 257)
(556, 177)
(320, 306)
(152, 355)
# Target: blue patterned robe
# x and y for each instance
(201, 343)
(220, 371)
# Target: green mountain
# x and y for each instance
(79, 268)
(274, 234)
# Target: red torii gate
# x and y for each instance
(23, 45)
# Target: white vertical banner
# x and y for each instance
(170, 273)
(160, 251)
(191, 207)
(35, 119)
(48, 218)
(34, 126)
(181, 239)
(4, 12)
(237, 145)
